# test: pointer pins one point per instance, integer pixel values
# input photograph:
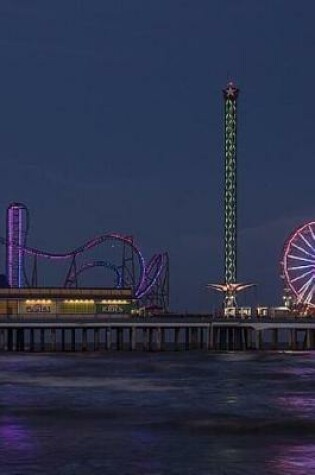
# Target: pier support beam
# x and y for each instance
(308, 339)
(2, 340)
(275, 339)
(218, 338)
(201, 343)
(258, 339)
(187, 339)
(108, 339)
(244, 339)
(151, 339)
(194, 338)
(96, 339)
(210, 342)
(293, 339)
(176, 339)
(133, 338)
(63, 340)
(20, 339)
(159, 339)
(163, 339)
(146, 339)
(223, 333)
(42, 339)
(53, 339)
(73, 342)
(119, 339)
(32, 346)
(10, 339)
(84, 340)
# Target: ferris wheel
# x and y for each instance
(299, 264)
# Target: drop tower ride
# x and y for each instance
(230, 286)
(230, 94)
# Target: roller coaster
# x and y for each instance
(148, 280)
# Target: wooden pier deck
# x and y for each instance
(154, 334)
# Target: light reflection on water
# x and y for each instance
(15, 436)
(189, 413)
(296, 460)
(302, 405)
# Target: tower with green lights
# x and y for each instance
(230, 94)
(231, 286)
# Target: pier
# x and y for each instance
(154, 334)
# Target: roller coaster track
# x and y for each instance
(92, 243)
(153, 271)
(148, 275)
(89, 265)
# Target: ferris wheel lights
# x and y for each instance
(300, 276)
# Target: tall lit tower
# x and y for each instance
(230, 94)
(230, 286)
(15, 242)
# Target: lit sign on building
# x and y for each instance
(38, 308)
(122, 306)
(111, 309)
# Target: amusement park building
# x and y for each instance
(45, 302)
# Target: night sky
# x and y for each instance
(111, 119)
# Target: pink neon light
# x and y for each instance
(294, 257)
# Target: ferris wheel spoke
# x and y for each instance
(302, 250)
(304, 287)
(298, 258)
(312, 232)
(301, 267)
(306, 241)
(302, 276)
(309, 296)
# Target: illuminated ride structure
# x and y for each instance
(148, 280)
(15, 244)
(298, 266)
(230, 286)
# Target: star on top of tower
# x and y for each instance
(231, 91)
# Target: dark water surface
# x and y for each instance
(171, 413)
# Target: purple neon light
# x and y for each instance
(86, 246)
(9, 247)
(146, 289)
(92, 264)
(19, 249)
(155, 261)
(158, 261)
(14, 244)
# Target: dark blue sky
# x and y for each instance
(111, 119)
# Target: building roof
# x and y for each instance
(65, 293)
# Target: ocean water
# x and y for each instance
(148, 413)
